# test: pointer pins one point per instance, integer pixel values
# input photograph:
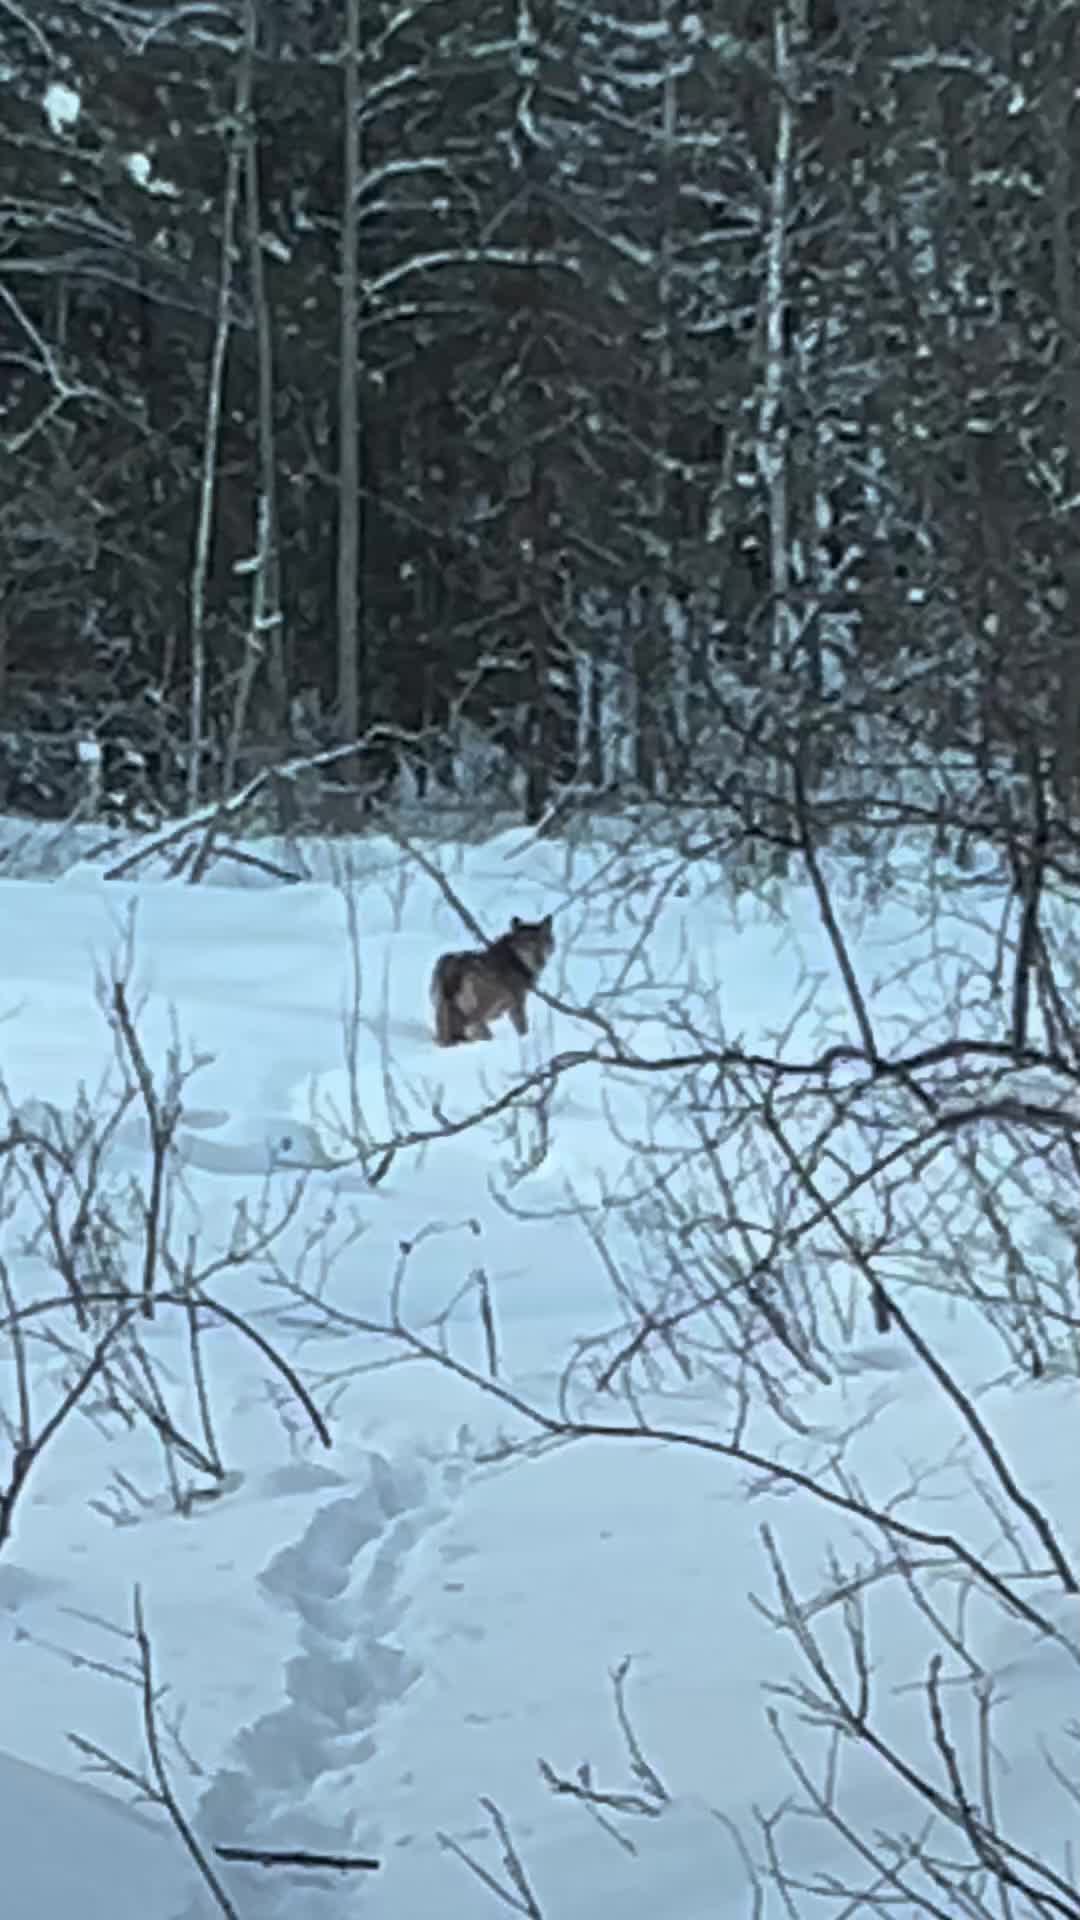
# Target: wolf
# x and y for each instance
(474, 987)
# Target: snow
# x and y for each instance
(366, 1644)
(61, 106)
(60, 1838)
(141, 171)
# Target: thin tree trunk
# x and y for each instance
(348, 595)
(204, 530)
(652, 666)
(255, 646)
(532, 521)
(772, 442)
(253, 652)
(272, 626)
(538, 749)
(642, 616)
(595, 674)
(1064, 187)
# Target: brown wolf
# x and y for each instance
(472, 988)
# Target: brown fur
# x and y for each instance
(471, 988)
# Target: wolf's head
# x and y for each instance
(533, 941)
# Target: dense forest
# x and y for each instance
(559, 401)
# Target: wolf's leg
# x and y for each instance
(518, 1017)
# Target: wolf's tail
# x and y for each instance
(449, 1026)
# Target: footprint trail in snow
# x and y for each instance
(296, 1781)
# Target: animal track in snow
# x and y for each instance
(296, 1777)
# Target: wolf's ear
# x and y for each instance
(546, 923)
(515, 923)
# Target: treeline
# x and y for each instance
(715, 397)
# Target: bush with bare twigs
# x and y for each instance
(909, 1177)
(898, 1174)
(119, 1252)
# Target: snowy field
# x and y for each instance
(362, 1645)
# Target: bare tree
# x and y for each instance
(271, 625)
(237, 138)
(349, 505)
(774, 416)
(1061, 54)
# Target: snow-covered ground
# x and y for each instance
(363, 1645)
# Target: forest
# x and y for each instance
(541, 404)
(610, 467)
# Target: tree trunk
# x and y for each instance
(204, 530)
(655, 632)
(772, 442)
(272, 632)
(1064, 186)
(349, 530)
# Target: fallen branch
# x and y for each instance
(272, 1857)
(217, 812)
(260, 863)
